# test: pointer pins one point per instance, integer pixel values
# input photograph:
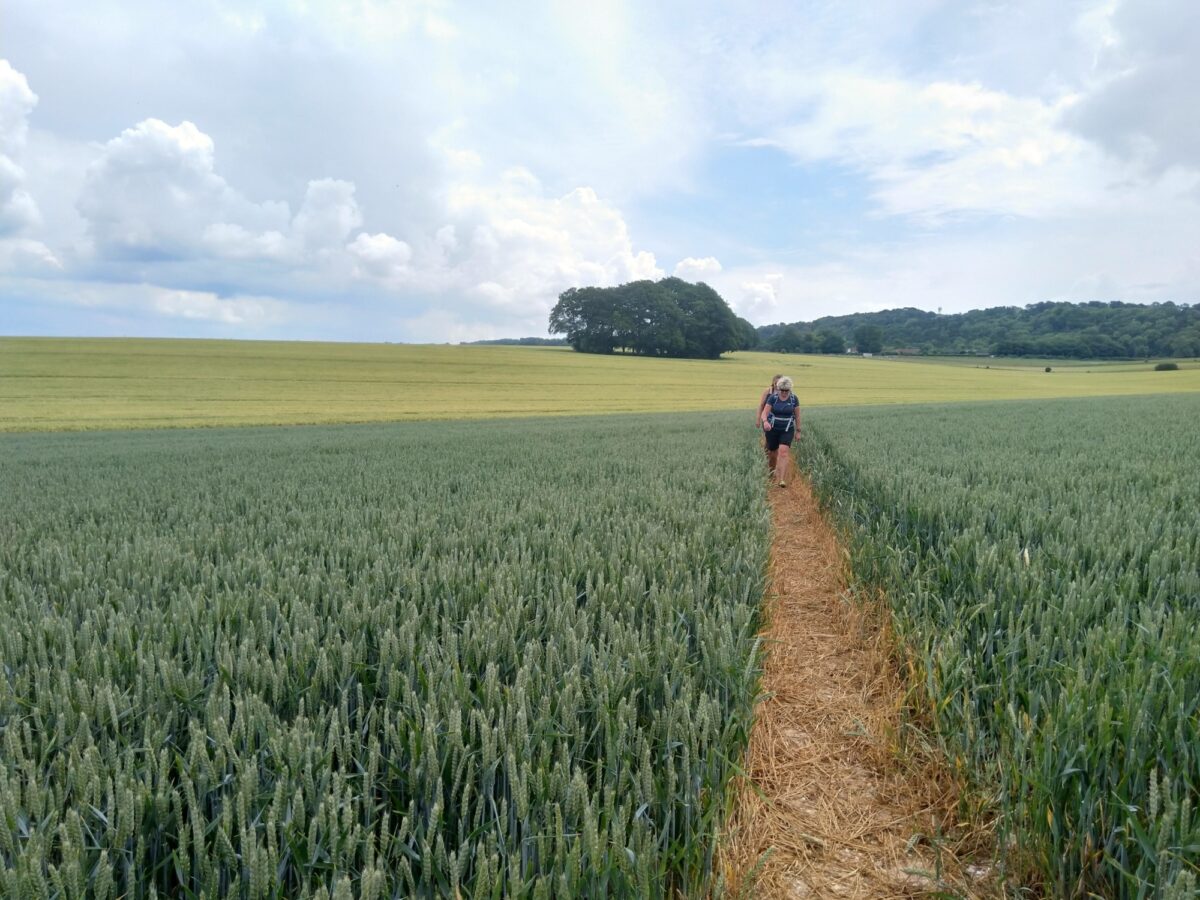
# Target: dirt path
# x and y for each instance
(832, 801)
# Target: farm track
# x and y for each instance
(833, 803)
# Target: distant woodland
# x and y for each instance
(1094, 330)
(672, 317)
(522, 342)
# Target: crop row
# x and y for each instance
(424, 660)
(1042, 562)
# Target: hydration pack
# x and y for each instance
(779, 423)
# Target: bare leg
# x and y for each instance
(771, 455)
(781, 466)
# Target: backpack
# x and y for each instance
(772, 398)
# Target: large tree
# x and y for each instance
(830, 342)
(670, 317)
(868, 338)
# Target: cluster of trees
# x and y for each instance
(1093, 330)
(670, 317)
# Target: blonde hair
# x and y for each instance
(783, 384)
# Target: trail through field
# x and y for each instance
(831, 802)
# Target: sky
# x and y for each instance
(431, 171)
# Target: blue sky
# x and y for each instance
(433, 171)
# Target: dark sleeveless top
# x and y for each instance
(782, 412)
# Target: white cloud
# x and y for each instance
(693, 269)
(508, 250)
(328, 215)
(380, 256)
(207, 306)
(482, 160)
(944, 148)
(231, 241)
(505, 248)
(439, 28)
(758, 300)
(16, 103)
(25, 255)
(438, 326)
(1141, 254)
(147, 309)
(153, 194)
(525, 247)
(18, 210)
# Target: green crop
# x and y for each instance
(477, 660)
(1042, 561)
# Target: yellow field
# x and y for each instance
(59, 384)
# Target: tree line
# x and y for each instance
(671, 317)
(1092, 330)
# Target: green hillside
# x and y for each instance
(1059, 330)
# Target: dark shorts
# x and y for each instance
(775, 438)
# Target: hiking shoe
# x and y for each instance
(783, 484)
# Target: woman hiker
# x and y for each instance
(762, 401)
(779, 416)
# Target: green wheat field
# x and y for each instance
(493, 656)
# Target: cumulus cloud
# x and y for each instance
(380, 256)
(476, 200)
(16, 103)
(154, 193)
(328, 215)
(17, 208)
(506, 252)
(505, 247)
(759, 299)
(232, 241)
(522, 247)
(693, 269)
(206, 306)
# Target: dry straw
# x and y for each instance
(835, 803)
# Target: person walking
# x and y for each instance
(779, 416)
(762, 401)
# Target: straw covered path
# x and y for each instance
(831, 807)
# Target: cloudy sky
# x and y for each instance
(429, 171)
